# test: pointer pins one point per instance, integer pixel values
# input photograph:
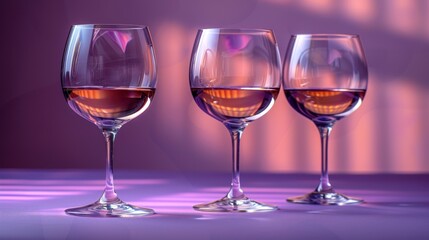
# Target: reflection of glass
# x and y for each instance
(109, 78)
(325, 79)
(235, 78)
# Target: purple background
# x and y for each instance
(389, 133)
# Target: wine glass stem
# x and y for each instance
(109, 194)
(235, 192)
(324, 185)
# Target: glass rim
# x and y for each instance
(325, 35)
(109, 26)
(236, 30)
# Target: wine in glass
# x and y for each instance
(325, 78)
(235, 77)
(109, 77)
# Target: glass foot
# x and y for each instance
(319, 198)
(117, 208)
(235, 205)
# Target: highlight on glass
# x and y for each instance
(235, 77)
(108, 77)
(325, 78)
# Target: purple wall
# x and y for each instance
(388, 134)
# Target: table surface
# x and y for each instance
(32, 206)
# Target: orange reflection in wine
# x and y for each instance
(327, 102)
(109, 103)
(236, 103)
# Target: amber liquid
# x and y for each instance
(108, 105)
(242, 104)
(325, 104)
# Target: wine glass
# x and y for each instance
(325, 79)
(109, 77)
(235, 77)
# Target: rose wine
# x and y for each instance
(325, 105)
(229, 104)
(108, 105)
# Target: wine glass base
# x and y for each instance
(111, 209)
(235, 205)
(319, 198)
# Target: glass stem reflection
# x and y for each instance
(324, 185)
(109, 194)
(235, 192)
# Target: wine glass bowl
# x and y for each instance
(108, 77)
(235, 77)
(325, 78)
(106, 106)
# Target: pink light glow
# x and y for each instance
(249, 189)
(358, 160)
(83, 182)
(174, 59)
(141, 181)
(47, 212)
(122, 38)
(119, 38)
(362, 11)
(22, 198)
(76, 187)
(42, 193)
(319, 6)
(406, 115)
(401, 16)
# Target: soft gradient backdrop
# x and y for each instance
(389, 133)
